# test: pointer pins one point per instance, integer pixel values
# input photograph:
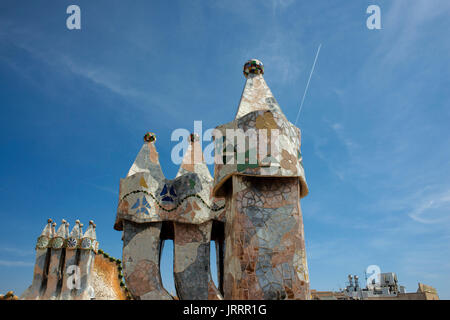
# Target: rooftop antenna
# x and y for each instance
(307, 85)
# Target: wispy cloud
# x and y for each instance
(323, 150)
(100, 74)
(282, 54)
(344, 138)
(11, 263)
(409, 18)
(103, 188)
(435, 209)
(16, 251)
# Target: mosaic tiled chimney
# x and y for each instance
(153, 209)
(265, 255)
(251, 209)
(60, 257)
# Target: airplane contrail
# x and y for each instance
(307, 85)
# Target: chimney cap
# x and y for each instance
(253, 66)
(194, 137)
(149, 137)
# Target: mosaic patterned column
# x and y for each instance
(71, 260)
(141, 250)
(191, 262)
(56, 263)
(265, 254)
(263, 181)
(88, 247)
(34, 291)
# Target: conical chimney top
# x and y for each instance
(256, 94)
(193, 160)
(147, 159)
(47, 231)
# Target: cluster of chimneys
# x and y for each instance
(350, 280)
(64, 261)
(62, 238)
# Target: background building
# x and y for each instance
(387, 288)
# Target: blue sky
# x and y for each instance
(74, 106)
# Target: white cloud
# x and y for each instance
(103, 188)
(434, 210)
(101, 74)
(16, 251)
(408, 19)
(11, 263)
